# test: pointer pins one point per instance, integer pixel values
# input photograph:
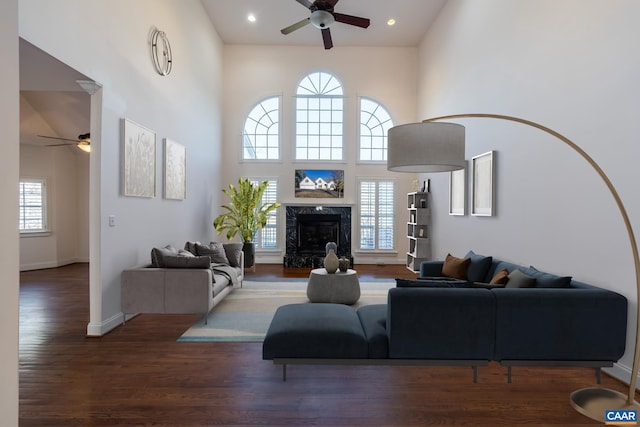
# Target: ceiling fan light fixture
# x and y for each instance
(84, 146)
(322, 19)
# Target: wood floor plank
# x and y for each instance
(139, 375)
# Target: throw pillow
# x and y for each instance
(182, 261)
(456, 267)
(479, 266)
(158, 254)
(234, 253)
(548, 280)
(517, 279)
(500, 278)
(191, 247)
(215, 251)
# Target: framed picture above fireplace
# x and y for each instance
(319, 183)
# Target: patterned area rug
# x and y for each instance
(245, 314)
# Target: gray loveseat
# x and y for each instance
(191, 280)
(460, 322)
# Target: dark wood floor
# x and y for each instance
(139, 375)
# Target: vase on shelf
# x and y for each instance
(331, 262)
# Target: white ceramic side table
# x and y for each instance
(338, 288)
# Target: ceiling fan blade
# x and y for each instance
(305, 3)
(331, 3)
(326, 38)
(352, 20)
(62, 144)
(296, 26)
(61, 139)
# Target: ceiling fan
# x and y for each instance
(322, 17)
(83, 142)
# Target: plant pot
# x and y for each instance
(249, 250)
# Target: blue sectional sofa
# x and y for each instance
(556, 322)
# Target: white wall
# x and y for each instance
(572, 66)
(252, 73)
(184, 106)
(66, 170)
(9, 261)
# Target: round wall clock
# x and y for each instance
(161, 52)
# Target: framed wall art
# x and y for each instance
(483, 184)
(175, 170)
(139, 160)
(319, 183)
(458, 192)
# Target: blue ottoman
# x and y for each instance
(315, 331)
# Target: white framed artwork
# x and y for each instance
(483, 184)
(175, 170)
(138, 160)
(458, 192)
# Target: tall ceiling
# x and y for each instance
(54, 104)
(412, 17)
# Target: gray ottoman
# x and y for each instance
(315, 331)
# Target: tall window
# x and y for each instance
(33, 212)
(375, 121)
(261, 133)
(266, 237)
(319, 117)
(376, 214)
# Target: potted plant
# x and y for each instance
(245, 214)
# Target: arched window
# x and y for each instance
(319, 117)
(375, 121)
(261, 133)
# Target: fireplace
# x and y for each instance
(310, 228)
(314, 231)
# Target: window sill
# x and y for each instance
(388, 252)
(274, 251)
(35, 234)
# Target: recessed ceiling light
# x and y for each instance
(251, 17)
(391, 22)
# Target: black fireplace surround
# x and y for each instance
(310, 228)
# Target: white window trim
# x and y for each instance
(46, 230)
(359, 135)
(295, 119)
(279, 159)
(278, 215)
(376, 250)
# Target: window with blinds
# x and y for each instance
(32, 205)
(377, 214)
(266, 238)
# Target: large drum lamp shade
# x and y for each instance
(426, 147)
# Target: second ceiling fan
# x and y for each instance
(322, 17)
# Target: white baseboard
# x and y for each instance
(621, 372)
(50, 264)
(101, 328)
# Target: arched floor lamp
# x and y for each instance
(431, 146)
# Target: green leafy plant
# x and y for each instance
(246, 213)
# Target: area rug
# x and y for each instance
(245, 314)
